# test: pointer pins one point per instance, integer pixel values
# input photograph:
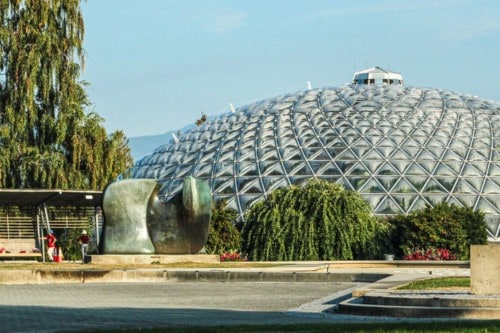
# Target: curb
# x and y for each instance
(41, 276)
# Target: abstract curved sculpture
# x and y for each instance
(138, 222)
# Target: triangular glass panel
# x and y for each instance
(371, 185)
(318, 165)
(491, 186)
(247, 200)
(444, 170)
(495, 200)
(466, 199)
(412, 152)
(330, 170)
(387, 169)
(476, 182)
(346, 184)
(274, 170)
(372, 165)
(454, 201)
(494, 169)
(373, 155)
(420, 139)
(385, 151)
(419, 203)
(440, 141)
(346, 155)
(361, 150)
(486, 207)
(426, 155)
(404, 201)
(223, 169)
(273, 183)
(204, 170)
(320, 155)
(387, 207)
(387, 181)
(183, 170)
(403, 186)
(475, 155)
(374, 139)
(399, 165)
(435, 198)
(358, 182)
(253, 186)
(447, 182)
(427, 166)
(299, 180)
(290, 165)
(434, 187)
(463, 186)
(225, 188)
(359, 169)
(226, 156)
(470, 170)
(454, 166)
(247, 169)
(301, 170)
(271, 155)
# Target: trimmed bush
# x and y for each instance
(443, 226)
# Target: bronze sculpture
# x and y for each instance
(138, 222)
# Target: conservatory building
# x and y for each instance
(400, 147)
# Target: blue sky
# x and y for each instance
(156, 65)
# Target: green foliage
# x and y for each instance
(46, 138)
(68, 241)
(320, 221)
(442, 226)
(223, 236)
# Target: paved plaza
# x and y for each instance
(49, 307)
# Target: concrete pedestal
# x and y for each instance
(485, 269)
(113, 259)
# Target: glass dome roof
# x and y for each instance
(400, 147)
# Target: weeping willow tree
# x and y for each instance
(47, 139)
(320, 221)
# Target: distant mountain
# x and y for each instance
(141, 146)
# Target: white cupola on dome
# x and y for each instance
(377, 75)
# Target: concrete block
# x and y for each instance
(485, 269)
(18, 276)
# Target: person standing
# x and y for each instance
(51, 244)
(84, 243)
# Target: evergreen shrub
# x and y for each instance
(223, 236)
(319, 221)
(443, 226)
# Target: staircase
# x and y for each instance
(441, 304)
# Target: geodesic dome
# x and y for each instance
(400, 147)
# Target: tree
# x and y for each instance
(223, 236)
(47, 140)
(320, 221)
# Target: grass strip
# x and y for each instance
(463, 326)
(438, 283)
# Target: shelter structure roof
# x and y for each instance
(56, 198)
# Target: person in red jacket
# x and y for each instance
(84, 243)
(51, 244)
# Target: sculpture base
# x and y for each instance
(116, 259)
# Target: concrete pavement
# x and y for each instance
(288, 293)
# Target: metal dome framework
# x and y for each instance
(400, 147)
